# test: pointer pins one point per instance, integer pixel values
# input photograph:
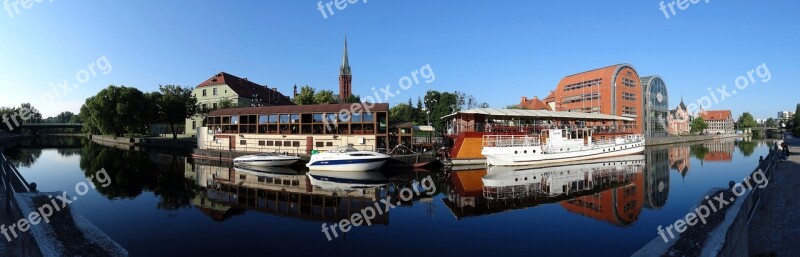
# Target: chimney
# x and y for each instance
(524, 99)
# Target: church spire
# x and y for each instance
(345, 69)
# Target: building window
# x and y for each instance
(214, 106)
(583, 84)
(194, 124)
(214, 92)
(581, 98)
(204, 92)
(243, 142)
(628, 96)
(627, 110)
(628, 82)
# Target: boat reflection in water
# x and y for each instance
(610, 190)
(322, 196)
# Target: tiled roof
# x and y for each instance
(247, 89)
(533, 104)
(716, 115)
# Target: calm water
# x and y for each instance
(169, 205)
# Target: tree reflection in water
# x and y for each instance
(133, 172)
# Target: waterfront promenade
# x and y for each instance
(775, 230)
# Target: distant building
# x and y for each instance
(345, 77)
(656, 107)
(784, 117)
(679, 120)
(720, 121)
(240, 91)
(533, 104)
(615, 90)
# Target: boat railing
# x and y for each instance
(509, 141)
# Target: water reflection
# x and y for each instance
(608, 190)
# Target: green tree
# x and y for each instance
(150, 111)
(698, 125)
(353, 99)
(324, 97)
(439, 104)
(746, 121)
(64, 117)
(401, 112)
(33, 114)
(770, 123)
(225, 103)
(421, 117)
(175, 105)
(796, 120)
(306, 96)
(116, 110)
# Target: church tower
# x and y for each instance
(345, 78)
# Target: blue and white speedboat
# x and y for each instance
(347, 158)
(346, 180)
(266, 160)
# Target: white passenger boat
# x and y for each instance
(556, 179)
(347, 158)
(266, 160)
(558, 145)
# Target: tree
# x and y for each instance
(770, 123)
(175, 105)
(353, 99)
(324, 97)
(63, 117)
(34, 116)
(401, 112)
(698, 125)
(225, 103)
(116, 110)
(150, 111)
(439, 104)
(746, 121)
(796, 120)
(421, 117)
(305, 97)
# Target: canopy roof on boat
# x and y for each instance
(540, 114)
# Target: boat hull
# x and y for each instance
(506, 156)
(347, 165)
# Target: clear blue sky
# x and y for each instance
(496, 51)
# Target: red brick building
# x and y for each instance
(615, 90)
(678, 120)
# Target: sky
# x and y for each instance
(497, 51)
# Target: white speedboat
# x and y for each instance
(266, 160)
(347, 158)
(558, 145)
(346, 180)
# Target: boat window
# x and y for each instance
(295, 118)
(356, 117)
(344, 116)
(284, 118)
(234, 120)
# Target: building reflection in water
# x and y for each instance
(719, 150)
(613, 190)
(323, 196)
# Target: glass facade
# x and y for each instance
(656, 107)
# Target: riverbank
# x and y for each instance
(161, 142)
(731, 236)
(775, 227)
(56, 238)
(687, 139)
